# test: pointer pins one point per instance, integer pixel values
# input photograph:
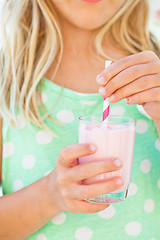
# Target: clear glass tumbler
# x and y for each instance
(113, 139)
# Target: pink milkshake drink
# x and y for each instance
(113, 139)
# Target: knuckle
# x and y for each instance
(65, 193)
(61, 180)
(149, 54)
(63, 153)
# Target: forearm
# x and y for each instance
(22, 213)
(157, 123)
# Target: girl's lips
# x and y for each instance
(91, 1)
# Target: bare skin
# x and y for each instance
(79, 73)
(137, 79)
(22, 213)
(25, 211)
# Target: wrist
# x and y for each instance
(52, 197)
(49, 204)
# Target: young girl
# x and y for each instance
(52, 52)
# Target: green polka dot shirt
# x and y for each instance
(31, 154)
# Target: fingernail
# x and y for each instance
(119, 181)
(112, 97)
(102, 91)
(128, 100)
(100, 79)
(117, 163)
(92, 147)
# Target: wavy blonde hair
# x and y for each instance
(31, 41)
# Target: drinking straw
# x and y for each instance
(106, 101)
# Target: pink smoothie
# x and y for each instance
(114, 141)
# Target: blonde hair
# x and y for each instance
(31, 41)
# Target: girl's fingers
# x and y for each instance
(152, 108)
(87, 207)
(124, 63)
(150, 95)
(128, 76)
(69, 154)
(97, 189)
(138, 86)
(80, 172)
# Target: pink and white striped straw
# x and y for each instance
(106, 102)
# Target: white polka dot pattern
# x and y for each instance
(107, 213)
(83, 233)
(59, 219)
(89, 103)
(145, 166)
(8, 149)
(65, 116)
(41, 237)
(132, 189)
(26, 156)
(157, 144)
(149, 205)
(133, 228)
(44, 137)
(21, 123)
(141, 126)
(28, 161)
(117, 110)
(17, 185)
(44, 98)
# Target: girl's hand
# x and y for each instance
(65, 187)
(136, 78)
